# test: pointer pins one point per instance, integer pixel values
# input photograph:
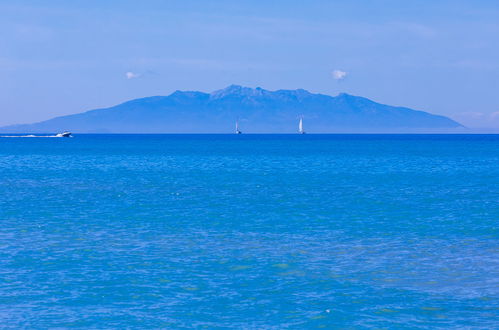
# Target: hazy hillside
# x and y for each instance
(258, 111)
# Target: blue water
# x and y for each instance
(249, 231)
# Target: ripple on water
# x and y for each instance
(265, 232)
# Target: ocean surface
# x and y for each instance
(250, 231)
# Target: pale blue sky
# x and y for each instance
(63, 57)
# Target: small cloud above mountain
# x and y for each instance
(132, 75)
(339, 74)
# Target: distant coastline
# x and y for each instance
(258, 111)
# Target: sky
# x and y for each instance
(62, 57)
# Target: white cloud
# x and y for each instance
(338, 74)
(132, 75)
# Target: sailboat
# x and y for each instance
(300, 126)
(237, 128)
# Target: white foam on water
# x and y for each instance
(30, 136)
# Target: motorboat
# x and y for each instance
(64, 134)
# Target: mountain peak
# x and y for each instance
(233, 89)
(179, 93)
(347, 96)
(300, 92)
(237, 90)
(241, 91)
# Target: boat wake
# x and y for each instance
(30, 136)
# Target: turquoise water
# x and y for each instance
(249, 231)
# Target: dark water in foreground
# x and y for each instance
(250, 231)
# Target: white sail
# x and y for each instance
(237, 127)
(300, 126)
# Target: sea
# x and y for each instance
(249, 231)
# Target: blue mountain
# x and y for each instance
(258, 110)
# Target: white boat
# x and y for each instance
(237, 128)
(300, 126)
(64, 134)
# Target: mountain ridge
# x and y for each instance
(258, 110)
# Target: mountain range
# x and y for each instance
(257, 110)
